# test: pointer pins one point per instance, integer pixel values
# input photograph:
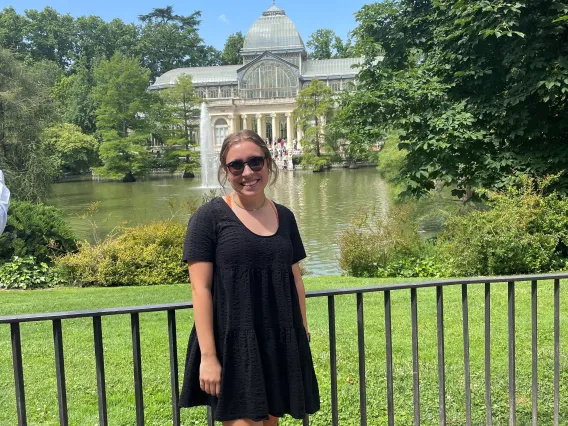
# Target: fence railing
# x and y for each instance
(56, 319)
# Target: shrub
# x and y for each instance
(371, 244)
(35, 230)
(25, 273)
(391, 158)
(524, 231)
(144, 255)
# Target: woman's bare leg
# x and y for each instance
(241, 422)
(272, 421)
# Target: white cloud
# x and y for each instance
(223, 18)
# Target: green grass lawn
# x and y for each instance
(39, 365)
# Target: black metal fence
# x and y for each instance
(134, 312)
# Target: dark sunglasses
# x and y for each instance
(238, 166)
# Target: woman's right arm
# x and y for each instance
(201, 277)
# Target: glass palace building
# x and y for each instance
(260, 94)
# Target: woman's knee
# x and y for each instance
(272, 421)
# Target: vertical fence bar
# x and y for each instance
(210, 420)
(100, 366)
(333, 360)
(534, 353)
(174, 375)
(18, 373)
(512, 381)
(388, 338)
(415, 371)
(441, 361)
(137, 357)
(556, 352)
(488, 410)
(361, 349)
(60, 372)
(467, 377)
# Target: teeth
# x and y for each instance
(250, 183)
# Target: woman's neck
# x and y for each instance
(249, 203)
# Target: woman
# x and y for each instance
(248, 355)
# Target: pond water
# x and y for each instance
(322, 202)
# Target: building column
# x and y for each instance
(275, 130)
(245, 121)
(259, 125)
(289, 138)
(231, 119)
(289, 132)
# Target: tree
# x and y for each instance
(73, 94)
(177, 119)
(50, 36)
(76, 151)
(123, 105)
(169, 41)
(477, 90)
(325, 44)
(13, 31)
(314, 105)
(26, 108)
(231, 52)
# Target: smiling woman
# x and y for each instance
(248, 354)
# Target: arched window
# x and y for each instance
(200, 92)
(269, 79)
(335, 85)
(221, 131)
(226, 92)
(213, 92)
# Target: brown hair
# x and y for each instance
(237, 137)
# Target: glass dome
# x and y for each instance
(272, 31)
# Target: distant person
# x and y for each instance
(248, 355)
(4, 203)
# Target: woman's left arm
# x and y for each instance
(301, 293)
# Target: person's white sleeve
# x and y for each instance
(4, 203)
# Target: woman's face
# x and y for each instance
(249, 183)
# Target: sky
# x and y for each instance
(220, 18)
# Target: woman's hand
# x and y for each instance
(210, 375)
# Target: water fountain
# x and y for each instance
(209, 159)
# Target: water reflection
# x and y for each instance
(322, 202)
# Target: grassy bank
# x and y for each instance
(39, 368)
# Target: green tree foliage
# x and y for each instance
(73, 94)
(524, 231)
(478, 89)
(26, 108)
(77, 152)
(50, 35)
(12, 31)
(123, 103)
(314, 106)
(233, 46)
(169, 41)
(177, 119)
(325, 44)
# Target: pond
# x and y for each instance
(322, 202)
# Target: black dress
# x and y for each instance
(259, 334)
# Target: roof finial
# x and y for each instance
(273, 2)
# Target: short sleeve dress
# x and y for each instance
(261, 342)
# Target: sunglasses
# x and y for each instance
(238, 166)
